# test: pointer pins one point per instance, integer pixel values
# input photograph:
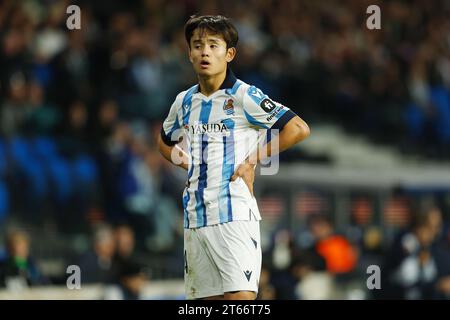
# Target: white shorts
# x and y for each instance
(222, 258)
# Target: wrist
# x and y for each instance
(252, 160)
(251, 163)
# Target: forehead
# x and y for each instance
(205, 35)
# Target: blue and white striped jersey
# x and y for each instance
(221, 130)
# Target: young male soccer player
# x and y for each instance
(220, 119)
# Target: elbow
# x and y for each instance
(305, 132)
(302, 130)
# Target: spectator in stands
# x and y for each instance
(339, 255)
(75, 138)
(125, 242)
(411, 263)
(42, 118)
(312, 284)
(281, 253)
(266, 289)
(130, 285)
(137, 188)
(97, 264)
(19, 270)
(106, 122)
(125, 248)
(15, 108)
(440, 250)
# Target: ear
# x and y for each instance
(189, 53)
(231, 53)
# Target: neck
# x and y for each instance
(209, 85)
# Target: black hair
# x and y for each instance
(216, 24)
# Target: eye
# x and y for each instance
(214, 46)
(197, 46)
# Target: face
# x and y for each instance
(20, 247)
(208, 53)
(125, 240)
(425, 235)
(135, 283)
(320, 229)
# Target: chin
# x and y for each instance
(203, 72)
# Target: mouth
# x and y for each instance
(204, 64)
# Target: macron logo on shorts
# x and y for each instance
(248, 274)
(254, 242)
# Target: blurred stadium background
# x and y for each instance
(81, 181)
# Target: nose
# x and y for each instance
(205, 51)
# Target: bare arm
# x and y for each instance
(293, 132)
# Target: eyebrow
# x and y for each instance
(209, 40)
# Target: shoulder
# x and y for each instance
(251, 94)
(243, 90)
(179, 98)
(243, 86)
(249, 90)
(184, 95)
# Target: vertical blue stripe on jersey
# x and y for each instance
(225, 209)
(188, 196)
(186, 199)
(186, 107)
(202, 179)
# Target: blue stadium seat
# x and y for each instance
(57, 168)
(45, 147)
(85, 169)
(4, 201)
(28, 166)
(415, 120)
(19, 149)
(60, 176)
(440, 98)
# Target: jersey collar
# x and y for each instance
(228, 83)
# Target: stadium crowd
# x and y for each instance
(80, 111)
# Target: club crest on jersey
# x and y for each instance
(228, 107)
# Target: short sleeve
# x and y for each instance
(170, 131)
(263, 112)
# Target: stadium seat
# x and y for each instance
(57, 169)
(85, 169)
(45, 147)
(61, 179)
(42, 73)
(29, 167)
(415, 120)
(440, 99)
(19, 149)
